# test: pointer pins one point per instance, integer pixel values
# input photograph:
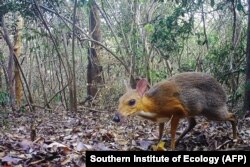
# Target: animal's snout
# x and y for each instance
(117, 117)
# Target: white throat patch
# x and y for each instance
(152, 115)
(146, 114)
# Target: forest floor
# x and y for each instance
(62, 138)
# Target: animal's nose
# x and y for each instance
(116, 118)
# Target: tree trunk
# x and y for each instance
(73, 103)
(10, 63)
(94, 69)
(17, 51)
(247, 87)
(1, 71)
(46, 104)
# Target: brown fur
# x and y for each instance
(184, 95)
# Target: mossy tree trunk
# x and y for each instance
(17, 52)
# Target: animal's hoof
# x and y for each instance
(159, 146)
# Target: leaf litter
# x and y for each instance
(62, 137)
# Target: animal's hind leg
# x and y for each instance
(191, 125)
(232, 118)
(222, 114)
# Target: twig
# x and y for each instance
(226, 142)
(56, 94)
(91, 109)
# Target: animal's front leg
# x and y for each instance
(161, 128)
(160, 144)
(174, 124)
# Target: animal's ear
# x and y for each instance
(128, 87)
(142, 86)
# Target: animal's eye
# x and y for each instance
(131, 102)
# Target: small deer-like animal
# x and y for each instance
(185, 95)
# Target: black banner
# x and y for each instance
(155, 159)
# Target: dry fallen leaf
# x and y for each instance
(11, 160)
(2, 154)
(145, 144)
(101, 147)
(55, 144)
(83, 147)
(66, 160)
(25, 144)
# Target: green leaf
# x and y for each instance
(149, 28)
(247, 86)
(4, 98)
(83, 1)
(212, 3)
(184, 3)
(240, 7)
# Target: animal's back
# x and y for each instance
(201, 94)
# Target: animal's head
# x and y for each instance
(131, 101)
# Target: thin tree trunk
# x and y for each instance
(1, 70)
(247, 88)
(42, 81)
(68, 106)
(236, 35)
(31, 60)
(73, 83)
(4, 68)
(57, 73)
(133, 44)
(10, 63)
(204, 27)
(94, 69)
